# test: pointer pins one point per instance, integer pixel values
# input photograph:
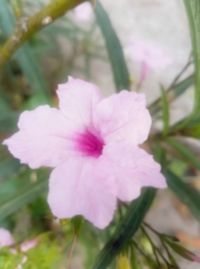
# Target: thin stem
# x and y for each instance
(183, 70)
(70, 254)
(152, 229)
(140, 250)
(155, 248)
(155, 106)
(25, 30)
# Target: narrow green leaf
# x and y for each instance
(184, 152)
(114, 48)
(172, 94)
(9, 167)
(193, 12)
(186, 194)
(27, 61)
(193, 127)
(193, 131)
(25, 56)
(165, 112)
(126, 230)
(16, 202)
(182, 251)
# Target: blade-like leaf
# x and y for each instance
(20, 199)
(126, 230)
(184, 152)
(185, 193)
(193, 12)
(25, 57)
(172, 94)
(165, 112)
(114, 48)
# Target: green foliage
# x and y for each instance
(114, 48)
(46, 255)
(165, 113)
(29, 80)
(20, 191)
(193, 11)
(184, 152)
(126, 230)
(185, 192)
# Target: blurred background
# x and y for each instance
(74, 45)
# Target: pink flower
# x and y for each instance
(149, 55)
(92, 144)
(27, 245)
(83, 12)
(6, 238)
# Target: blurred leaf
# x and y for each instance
(193, 131)
(7, 20)
(193, 12)
(184, 152)
(193, 127)
(8, 260)
(45, 255)
(172, 94)
(180, 250)
(8, 167)
(123, 262)
(31, 68)
(126, 229)
(7, 116)
(114, 48)
(134, 259)
(25, 56)
(165, 112)
(185, 193)
(19, 197)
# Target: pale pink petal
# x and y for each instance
(6, 238)
(83, 12)
(123, 116)
(78, 187)
(27, 245)
(133, 169)
(147, 52)
(77, 99)
(43, 138)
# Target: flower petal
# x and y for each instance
(133, 169)
(77, 99)
(78, 187)
(42, 139)
(123, 116)
(6, 238)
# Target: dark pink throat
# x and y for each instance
(90, 144)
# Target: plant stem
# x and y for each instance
(25, 29)
(171, 89)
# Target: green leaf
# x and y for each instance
(184, 152)
(180, 250)
(21, 198)
(114, 48)
(7, 116)
(172, 94)
(27, 61)
(126, 230)
(193, 12)
(186, 194)
(9, 167)
(165, 110)
(193, 131)
(25, 56)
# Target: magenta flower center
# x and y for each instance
(90, 144)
